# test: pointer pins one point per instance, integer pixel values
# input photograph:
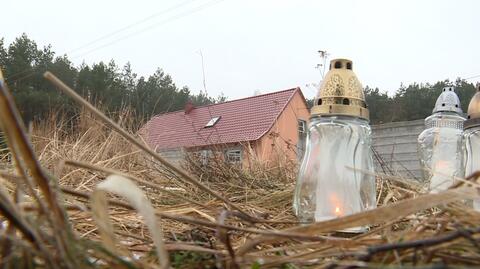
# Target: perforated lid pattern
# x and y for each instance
(448, 101)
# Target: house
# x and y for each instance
(261, 128)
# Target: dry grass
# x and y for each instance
(51, 225)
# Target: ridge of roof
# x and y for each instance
(229, 101)
(283, 109)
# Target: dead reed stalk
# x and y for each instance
(47, 219)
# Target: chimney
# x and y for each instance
(189, 107)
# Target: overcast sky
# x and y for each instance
(260, 45)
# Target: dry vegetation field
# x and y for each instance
(95, 197)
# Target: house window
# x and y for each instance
(302, 126)
(212, 122)
(233, 156)
(302, 138)
(205, 155)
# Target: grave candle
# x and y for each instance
(440, 144)
(336, 175)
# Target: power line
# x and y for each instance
(131, 25)
(476, 76)
(178, 16)
(111, 34)
(184, 14)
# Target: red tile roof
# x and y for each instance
(246, 119)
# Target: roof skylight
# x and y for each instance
(212, 122)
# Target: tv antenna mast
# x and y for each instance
(323, 62)
(321, 68)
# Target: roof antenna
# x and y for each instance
(203, 72)
(321, 68)
(323, 60)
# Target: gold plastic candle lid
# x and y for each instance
(340, 93)
(473, 113)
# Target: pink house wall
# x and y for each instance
(281, 140)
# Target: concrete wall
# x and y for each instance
(175, 156)
(396, 145)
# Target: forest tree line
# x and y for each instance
(115, 88)
(412, 102)
(107, 85)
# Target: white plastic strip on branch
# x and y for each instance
(134, 195)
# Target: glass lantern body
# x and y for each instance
(440, 150)
(472, 154)
(336, 177)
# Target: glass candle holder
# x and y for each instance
(471, 140)
(336, 177)
(472, 155)
(440, 150)
(440, 144)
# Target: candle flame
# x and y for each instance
(442, 164)
(337, 211)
